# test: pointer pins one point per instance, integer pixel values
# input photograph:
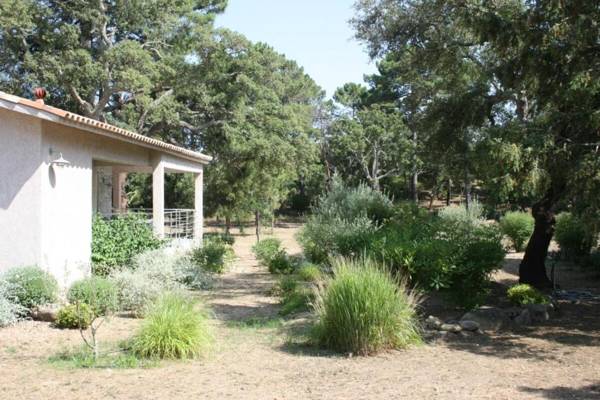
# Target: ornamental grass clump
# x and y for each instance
(363, 310)
(173, 329)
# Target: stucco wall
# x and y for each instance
(20, 190)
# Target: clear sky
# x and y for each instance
(314, 33)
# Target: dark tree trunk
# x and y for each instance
(414, 183)
(227, 224)
(533, 266)
(257, 223)
(449, 192)
(467, 189)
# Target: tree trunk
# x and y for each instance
(532, 269)
(227, 224)
(449, 192)
(467, 188)
(414, 182)
(257, 223)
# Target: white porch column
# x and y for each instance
(198, 207)
(118, 189)
(158, 198)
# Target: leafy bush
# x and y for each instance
(213, 256)
(523, 294)
(30, 286)
(74, 316)
(266, 249)
(518, 227)
(310, 273)
(115, 242)
(280, 263)
(460, 215)
(295, 295)
(162, 265)
(99, 293)
(363, 310)
(10, 311)
(574, 236)
(321, 237)
(345, 203)
(173, 328)
(136, 290)
(226, 238)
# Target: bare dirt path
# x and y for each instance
(559, 360)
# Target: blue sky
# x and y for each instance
(315, 33)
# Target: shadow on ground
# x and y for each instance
(589, 392)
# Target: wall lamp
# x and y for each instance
(58, 161)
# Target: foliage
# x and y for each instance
(309, 273)
(226, 238)
(136, 290)
(461, 215)
(74, 316)
(523, 294)
(266, 249)
(363, 310)
(213, 256)
(574, 236)
(173, 328)
(295, 295)
(116, 241)
(518, 227)
(592, 261)
(99, 293)
(10, 311)
(29, 286)
(115, 358)
(162, 265)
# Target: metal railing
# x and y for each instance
(179, 223)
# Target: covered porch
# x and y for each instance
(178, 224)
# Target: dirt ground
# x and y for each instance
(557, 360)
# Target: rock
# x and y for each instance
(433, 322)
(488, 318)
(523, 319)
(538, 312)
(469, 325)
(45, 313)
(455, 328)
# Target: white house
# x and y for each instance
(57, 169)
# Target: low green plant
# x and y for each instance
(115, 358)
(10, 311)
(309, 273)
(574, 236)
(523, 294)
(363, 310)
(173, 328)
(116, 241)
(30, 286)
(266, 249)
(280, 263)
(97, 292)
(136, 290)
(74, 316)
(226, 238)
(518, 227)
(213, 256)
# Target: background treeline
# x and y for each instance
(495, 99)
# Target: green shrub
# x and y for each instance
(523, 294)
(280, 263)
(136, 290)
(574, 236)
(295, 295)
(363, 310)
(213, 256)
(518, 227)
(310, 273)
(115, 242)
(10, 311)
(97, 292)
(30, 286)
(161, 265)
(74, 316)
(266, 249)
(172, 329)
(226, 238)
(460, 215)
(321, 237)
